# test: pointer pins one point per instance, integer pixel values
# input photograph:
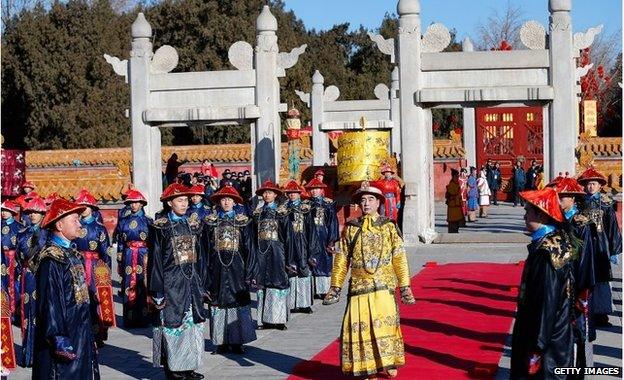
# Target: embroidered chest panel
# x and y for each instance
(297, 222)
(319, 216)
(81, 292)
(184, 249)
(268, 229)
(227, 238)
(595, 215)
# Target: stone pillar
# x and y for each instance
(470, 135)
(267, 144)
(146, 161)
(320, 142)
(416, 134)
(395, 112)
(563, 131)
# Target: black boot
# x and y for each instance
(281, 326)
(173, 375)
(193, 375)
(238, 349)
(222, 349)
(306, 310)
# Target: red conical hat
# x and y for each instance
(226, 191)
(315, 184)
(133, 195)
(175, 190)
(268, 185)
(28, 184)
(197, 189)
(546, 200)
(372, 188)
(51, 198)
(592, 174)
(555, 180)
(10, 206)
(36, 204)
(569, 186)
(293, 187)
(319, 172)
(31, 195)
(58, 209)
(84, 197)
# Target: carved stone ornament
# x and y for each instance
(385, 45)
(304, 96)
(582, 71)
(165, 59)
(409, 29)
(240, 55)
(560, 22)
(533, 35)
(584, 40)
(267, 43)
(331, 94)
(119, 67)
(288, 60)
(382, 92)
(436, 38)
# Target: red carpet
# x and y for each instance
(456, 330)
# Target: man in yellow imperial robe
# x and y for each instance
(371, 339)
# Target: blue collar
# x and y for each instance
(175, 218)
(271, 205)
(138, 213)
(294, 203)
(60, 241)
(35, 227)
(571, 212)
(592, 197)
(88, 220)
(229, 214)
(197, 205)
(544, 230)
(9, 220)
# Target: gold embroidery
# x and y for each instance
(81, 293)
(267, 230)
(297, 222)
(184, 249)
(93, 245)
(102, 236)
(5, 230)
(319, 216)
(227, 238)
(133, 224)
(82, 233)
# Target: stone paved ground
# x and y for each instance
(128, 352)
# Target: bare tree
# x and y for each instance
(11, 8)
(500, 26)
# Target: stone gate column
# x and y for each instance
(416, 134)
(563, 132)
(320, 142)
(470, 135)
(146, 162)
(267, 134)
(395, 111)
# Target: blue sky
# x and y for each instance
(463, 15)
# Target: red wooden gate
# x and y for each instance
(507, 134)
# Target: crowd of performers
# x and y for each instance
(199, 261)
(565, 292)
